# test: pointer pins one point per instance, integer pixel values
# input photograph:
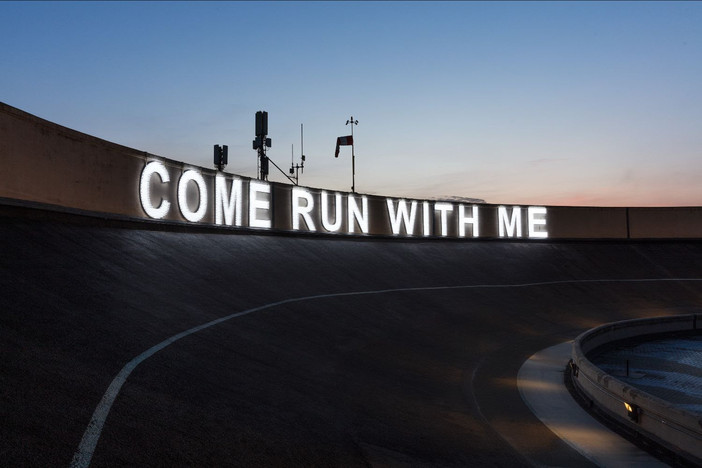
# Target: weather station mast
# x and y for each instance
(348, 141)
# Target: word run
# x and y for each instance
(250, 203)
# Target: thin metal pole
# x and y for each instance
(353, 155)
(353, 161)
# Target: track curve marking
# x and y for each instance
(88, 443)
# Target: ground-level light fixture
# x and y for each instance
(633, 411)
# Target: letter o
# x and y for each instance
(192, 216)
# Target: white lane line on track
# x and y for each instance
(84, 453)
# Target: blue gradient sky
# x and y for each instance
(531, 103)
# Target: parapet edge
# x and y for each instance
(651, 417)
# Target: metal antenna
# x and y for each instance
(220, 156)
(261, 143)
(296, 168)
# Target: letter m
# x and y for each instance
(507, 225)
(227, 206)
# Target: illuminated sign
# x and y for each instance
(241, 202)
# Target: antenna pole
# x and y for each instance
(295, 168)
(353, 161)
(261, 143)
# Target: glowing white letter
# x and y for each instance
(443, 208)
(355, 213)
(396, 219)
(297, 210)
(154, 167)
(425, 218)
(473, 220)
(192, 216)
(514, 223)
(227, 205)
(255, 204)
(533, 222)
(337, 215)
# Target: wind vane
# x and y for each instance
(346, 141)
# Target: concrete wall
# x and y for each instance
(46, 163)
(667, 424)
(679, 222)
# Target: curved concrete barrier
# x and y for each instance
(652, 417)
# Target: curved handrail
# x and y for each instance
(665, 423)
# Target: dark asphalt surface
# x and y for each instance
(414, 378)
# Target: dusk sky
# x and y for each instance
(554, 103)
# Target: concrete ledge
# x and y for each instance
(46, 163)
(653, 418)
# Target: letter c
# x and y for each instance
(154, 167)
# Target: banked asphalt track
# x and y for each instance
(421, 376)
